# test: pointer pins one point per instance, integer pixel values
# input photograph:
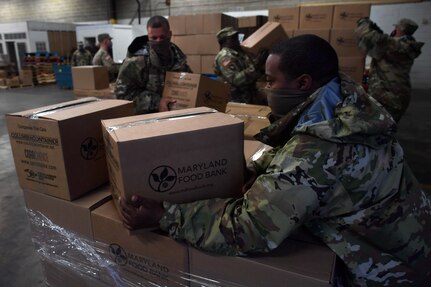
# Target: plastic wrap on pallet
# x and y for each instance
(70, 259)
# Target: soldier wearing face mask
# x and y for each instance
(81, 57)
(392, 58)
(142, 74)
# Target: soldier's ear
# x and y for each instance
(305, 82)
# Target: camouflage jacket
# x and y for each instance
(343, 178)
(142, 77)
(392, 59)
(83, 58)
(102, 58)
(239, 71)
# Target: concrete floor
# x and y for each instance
(19, 263)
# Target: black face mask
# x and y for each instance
(282, 102)
(161, 47)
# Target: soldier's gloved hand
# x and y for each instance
(375, 27)
(261, 57)
(166, 104)
(363, 20)
(139, 212)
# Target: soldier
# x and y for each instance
(103, 58)
(236, 68)
(336, 168)
(81, 57)
(142, 74)
(392, 58)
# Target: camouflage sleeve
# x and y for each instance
(375, 43)
(277, 203)
(131, 85)
(74, 61)
(236, 77)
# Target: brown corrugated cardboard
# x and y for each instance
(212, 23)
(352, 66)
(288, 17)
(187, 44)
(253, 149)
(207, 64)
(345, 16)
(178, 24)
(247, 21)
(345, 43)
(13, 82)
(58, 149)
(207, 44)
(194, 24)
(254, 117)
(154, 257)
(72, 215)
(265, 37)
(294, 263)
(194, 62)
(185, 155)
(322, 33)
(90, 77)
(316, 17)
(195, 90)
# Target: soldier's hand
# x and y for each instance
(166, 104)
(139, 212)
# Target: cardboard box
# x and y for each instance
(207, 44)
(189, 155)
(352, 66)
(265, 37)
(346, 16)
(288, 17)
(153, 257)
(207, 64)
(345, 43)
(316, 17)
(3, 74)
(294, 263)
(90, 77)
(322, 33)
(194, 62)
(214, 22)
(187, 44)
(58, 149)
(195, 90)
(194, 24)
(71, 215)
(254, 117)
(247, 21)
(178, 24)
(254, 149)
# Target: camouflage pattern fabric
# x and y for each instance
(81, 58)
(344, 179)
(142, 77)
(102, 58)
(392, 59)
(240, 72)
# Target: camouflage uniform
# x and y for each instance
(343, 178)
(237, 69)
(102, 58)
(389, 79)
(142, 77)
(81, 58)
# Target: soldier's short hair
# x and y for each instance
(307, 54)
(158, 22)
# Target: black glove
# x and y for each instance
(375, 27)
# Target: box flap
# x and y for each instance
(69, 109)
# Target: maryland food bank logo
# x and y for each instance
(118, 254)
(162, 178)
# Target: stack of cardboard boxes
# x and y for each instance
(64, 156)
(9, 79)
(196, 36)
(334, 23)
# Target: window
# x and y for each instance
(1, 48)
(13, 36)
(40, 47)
